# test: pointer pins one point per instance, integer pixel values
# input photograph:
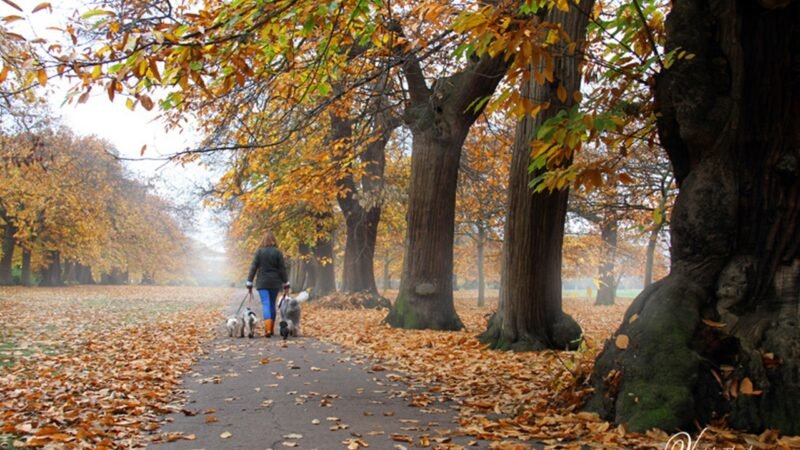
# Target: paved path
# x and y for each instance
(301, 393)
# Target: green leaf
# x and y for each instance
(658, 216)
(97, 12)
(477, 105)
(324, 89)
(308, 25)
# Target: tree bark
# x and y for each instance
(386, 274)
(529, 314)
(607, 292)
(439, 119)
(9, 243)
(70, 272)
(650, 254)
(85, 274)
(52, 274)
(361, 205)
(322, 266)
(480, 243)
(26, 279)
(729, 119)
(299, 274)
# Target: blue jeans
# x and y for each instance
(269, 299)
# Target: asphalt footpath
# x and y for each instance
(302, 393)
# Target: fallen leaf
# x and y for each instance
(713, 324)
(402, 438)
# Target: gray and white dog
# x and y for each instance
(249, 318)
(290, 315)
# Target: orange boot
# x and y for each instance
(268, 328)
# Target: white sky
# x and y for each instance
(127, 130)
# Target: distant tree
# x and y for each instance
(482, 188)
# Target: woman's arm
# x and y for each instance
(253, 269)
(282, 268)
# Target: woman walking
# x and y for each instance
(271, 268)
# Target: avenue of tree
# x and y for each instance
(71, 214)
(322, 114)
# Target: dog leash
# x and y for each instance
(280, 302)
(239, 309)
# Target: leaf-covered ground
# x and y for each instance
(96, 367)
(510, 396)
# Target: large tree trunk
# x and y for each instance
(359, 269)
(650, 255)
(481, 243)
(361, 205)
(85, 274)
(439, 119)
(529, 314)
(730, 122)
(298, 271)
(305, 269)
(70, 272)
(425, 299)
(324, 276)
(607, 292)
(26, 279)
(52, 274)
(9, 243)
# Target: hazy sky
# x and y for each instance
(127, 130)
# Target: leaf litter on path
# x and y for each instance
(505, 397)
(104, 364)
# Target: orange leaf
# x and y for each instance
(713, 324)
(561, 92)
(746, 388)
(624, 178)
(41, 75)
(41, 6)
(622, 341)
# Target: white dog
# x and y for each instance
(290, 315)
(249, 320)
(234, 325)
